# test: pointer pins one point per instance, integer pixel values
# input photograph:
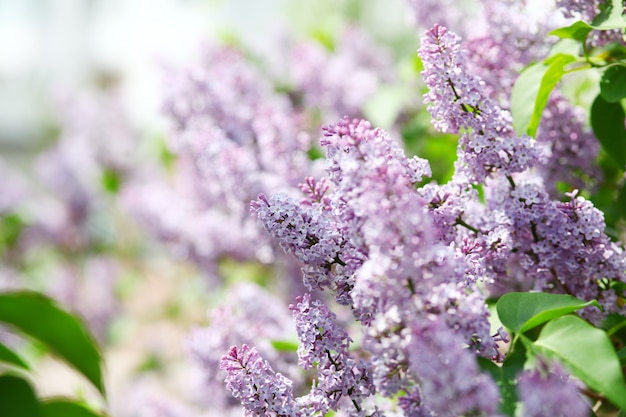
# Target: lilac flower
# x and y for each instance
(450, 380)
(309, 233)
(325, 346)
(458, 104)
(560, 247)
(572, 147)
(251, 380)
(587, 10)
(463, 17)
(319, 336)
(521, 43)
(251, 316)
(548, 392)
(341, 82)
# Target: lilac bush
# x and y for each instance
(347, 275)
(417, 261)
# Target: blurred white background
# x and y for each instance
(50, 47)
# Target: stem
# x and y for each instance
(511, 182)
(461, 222)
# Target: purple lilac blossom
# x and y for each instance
(251, 315)
(587, 10)
(572, 147)
(450, 379)
(260, 389)
(458, 104)
(324, 345)
(560, 246)
(549, 392)
(509, 44)
(463, 17)
(340, 82)
(234, 137)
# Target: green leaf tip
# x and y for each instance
(40, 317)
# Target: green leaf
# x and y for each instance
(8, 356)
(505, 377)
(17, 398)
(613, 83)
(610, 16)
(532, 89)
(111, 180)
(66, 408)
(607, 121)
(285, 345)
(63, 333)
(577, 30)
(522, 311)
(621, 355)
(587, 352)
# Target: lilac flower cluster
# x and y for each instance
(458, 104)
(527, 230)
(399, 276)
(252, 380)
(587, 11)
(251, 315)
(238, 133)
(548, 391)
(320, 79)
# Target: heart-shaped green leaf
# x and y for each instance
(587, 352)
(613, 83)
(607, 121)
(532, 89)
(522, 311)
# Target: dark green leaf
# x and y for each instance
(621, 355)
(8, 356)
(522, 311)
(577, 30)
(17, 398)
(532, 89)
(607, 121)
(588, 354)
(613, 83)
(66, 408)
(610, 16)
(505, 376)
(63, 333)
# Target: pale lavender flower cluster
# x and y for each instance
(572, 148)
(569, 146)
(415, 264)
(587, 10)
(458, 104)
(506, 48)
(561, 247)
(341, 82)
(549, 392)
(234, 137)
(325, 345)
(464, 18)
(399, 277)
(450, 390)
(260, 389)
(251, 315)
